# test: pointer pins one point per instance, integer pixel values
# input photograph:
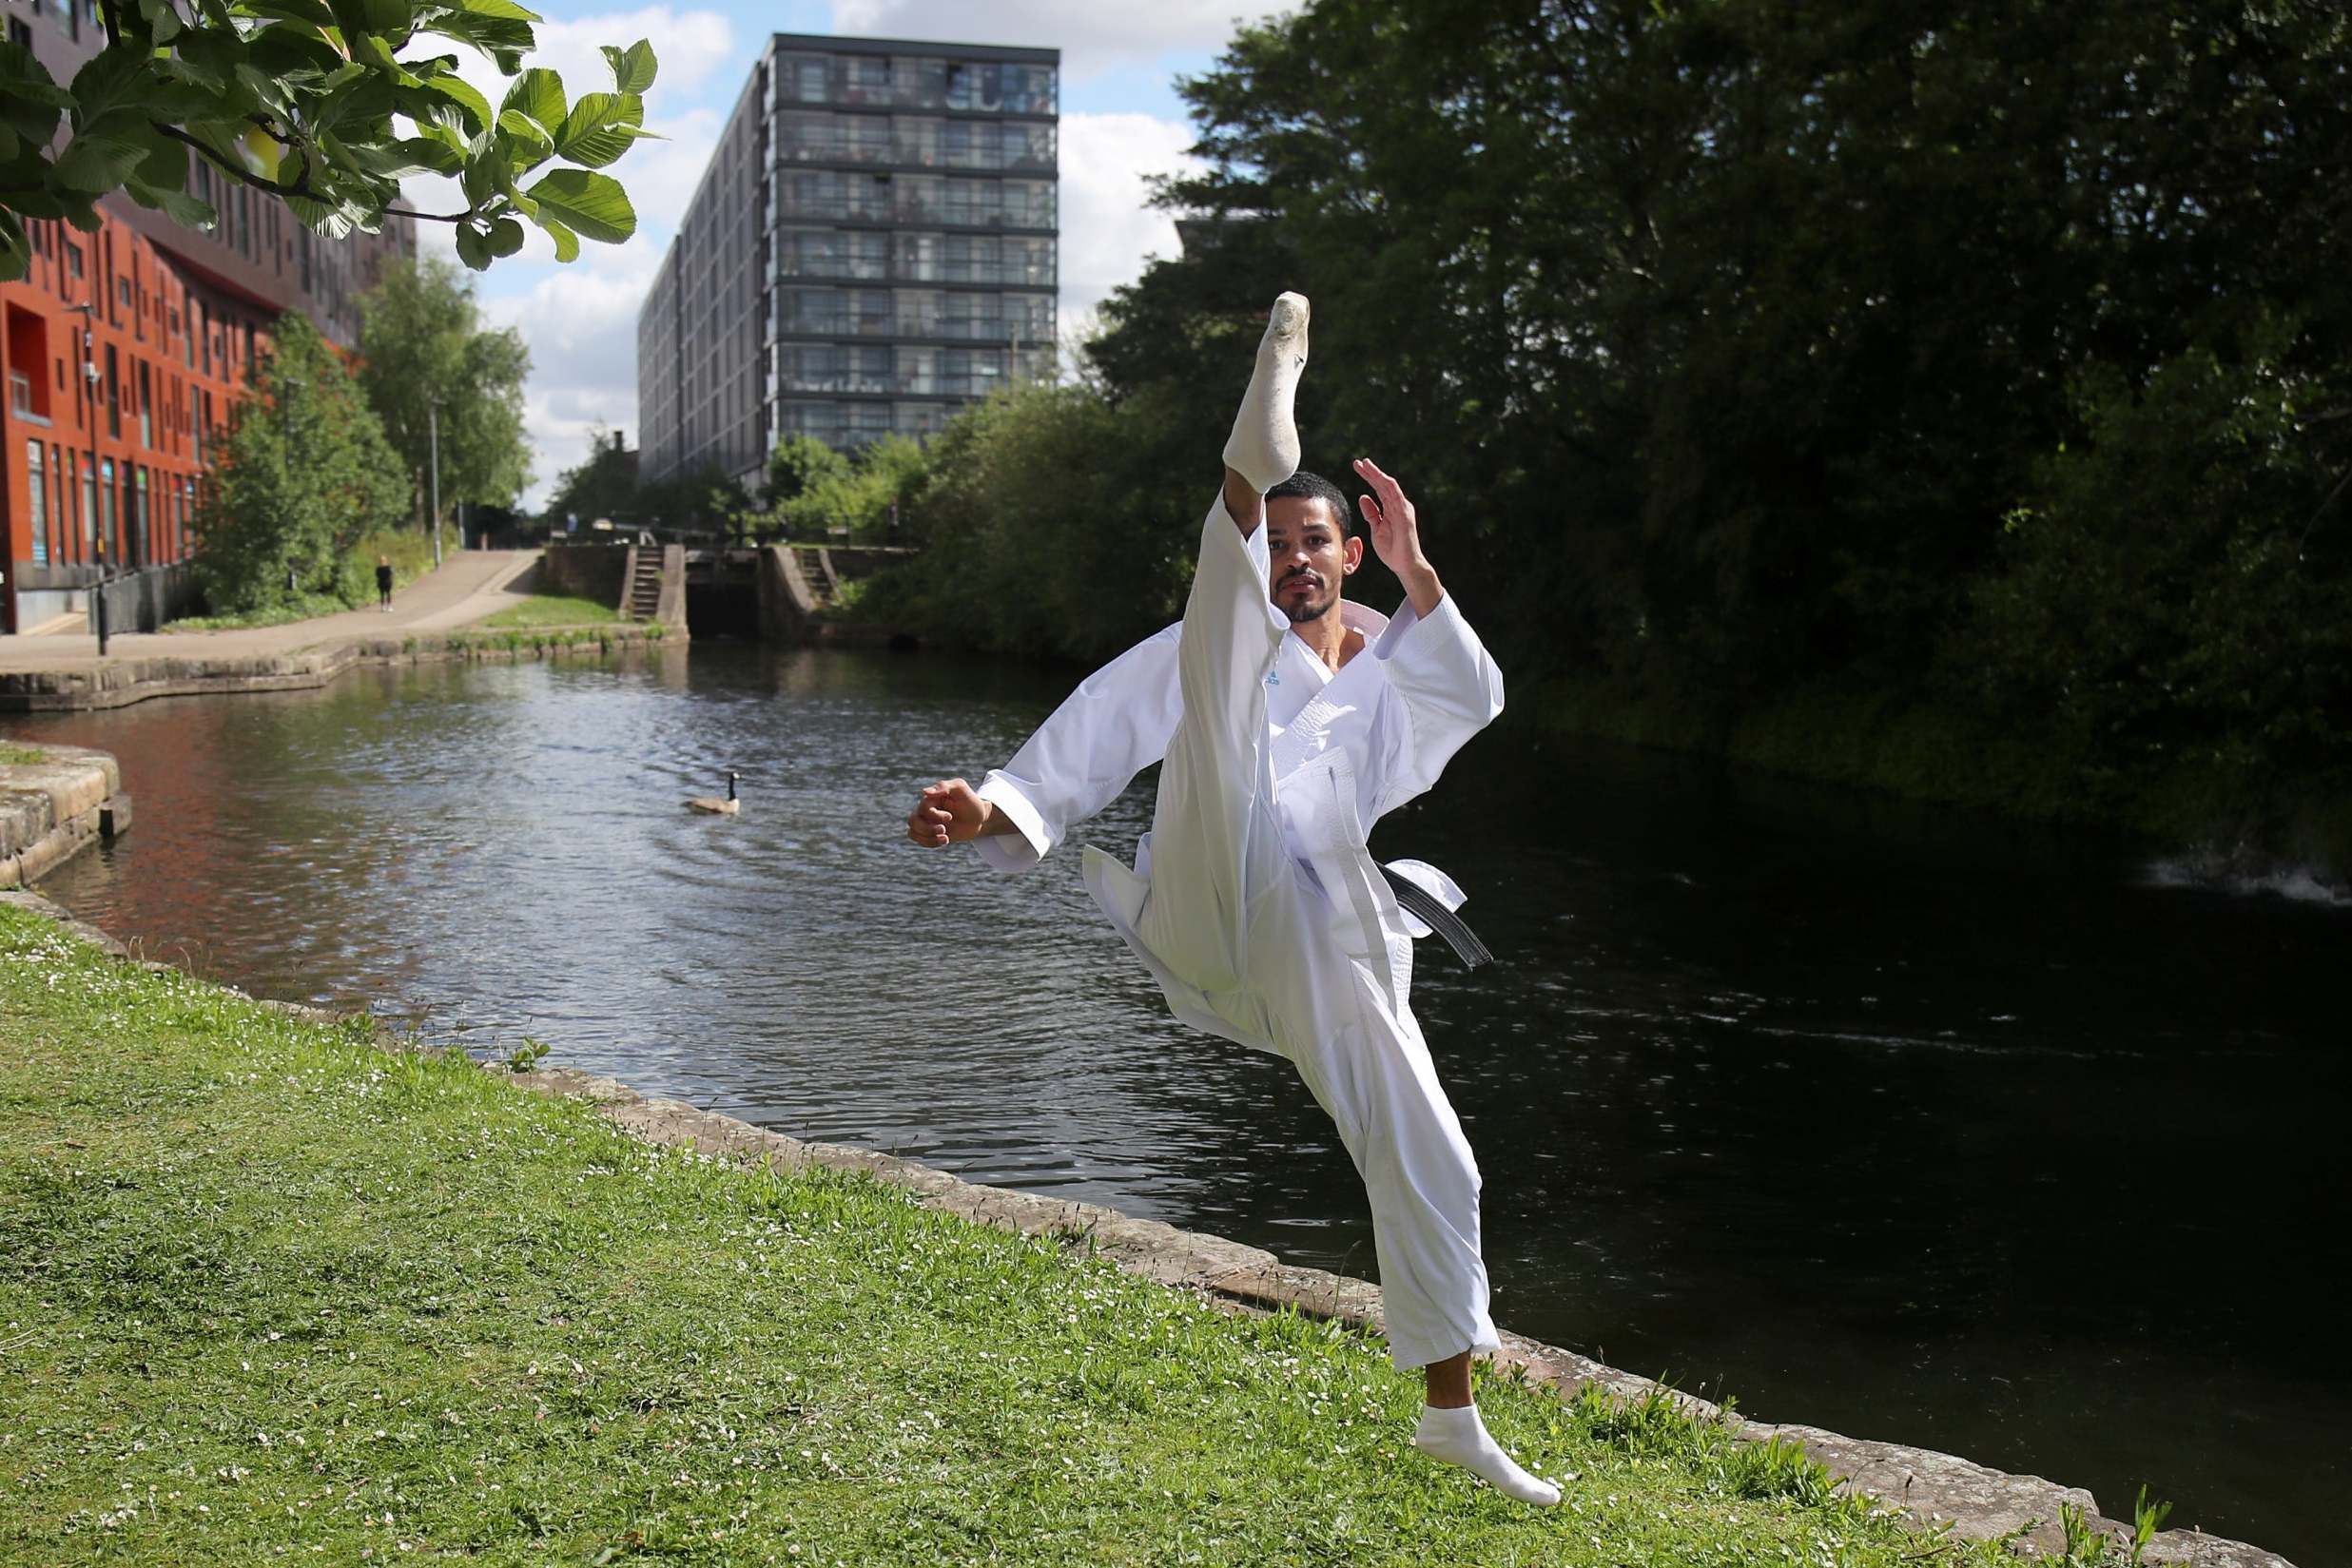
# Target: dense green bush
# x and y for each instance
(1039, 535)
(302, 475)
(2174, 596)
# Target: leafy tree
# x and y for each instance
(304, 474)
(328, 105)
(2176, 581)
(856, 492)
(799, 464)
(1743, 322)
(603, 484)
(1042, 531)
(421, 338)
(705, 498)
(1731, 330)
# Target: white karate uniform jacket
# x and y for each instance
(1345, 747)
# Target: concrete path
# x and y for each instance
(471, 586)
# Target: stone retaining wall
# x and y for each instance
(53, 809)
(119, 682)
(1934, 1492)
(582, 570)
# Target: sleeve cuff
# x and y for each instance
(1446, 619)
(1028, 843)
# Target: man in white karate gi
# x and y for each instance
(1288, 721)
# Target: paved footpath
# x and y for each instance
(469, 586)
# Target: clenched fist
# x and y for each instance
(947, 812)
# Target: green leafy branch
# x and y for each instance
(326, 105)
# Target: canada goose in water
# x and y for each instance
(728, 807)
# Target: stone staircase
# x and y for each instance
(641, 596)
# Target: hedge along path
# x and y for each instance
(270, 1286)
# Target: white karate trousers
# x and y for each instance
(1233, 914)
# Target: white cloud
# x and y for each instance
(1093, 35)
(581, 325)
(689, 46)
(1107, 230)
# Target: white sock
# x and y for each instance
(1263, 448)
(1458, 1437)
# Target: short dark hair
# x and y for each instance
(1313, 487)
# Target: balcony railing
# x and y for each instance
(805, 149)
(20, 399)
(994, 87)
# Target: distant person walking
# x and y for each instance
(383, 583)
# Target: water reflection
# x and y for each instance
(1888, 1120)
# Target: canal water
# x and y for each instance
(1885, 1120)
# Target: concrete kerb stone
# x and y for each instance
(1934, 1492)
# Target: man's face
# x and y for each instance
(1308, 558)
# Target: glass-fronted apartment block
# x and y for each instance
(874, 244)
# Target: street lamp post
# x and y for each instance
(433, 436)
(89, 492)
(285, 464)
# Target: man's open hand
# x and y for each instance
(1396, 536)
(947, 812)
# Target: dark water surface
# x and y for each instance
(1887, 1121)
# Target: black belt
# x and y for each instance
(1429, 910)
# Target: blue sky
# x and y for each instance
(1121, 123)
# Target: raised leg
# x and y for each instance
(1217, 853)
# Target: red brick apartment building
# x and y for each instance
(123, 351)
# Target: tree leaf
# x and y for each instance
(163, 21)
(328, 218)
(532, 141)
(567, 242)
(97, 164)
(599, 128)
(472, 247)
(489, 33)
(458, 92)
(166, 164)
(592, 206)
(539, 94)
(179, 206)
(506, 236)
(633, 68)
(109, 80)
(391, 19)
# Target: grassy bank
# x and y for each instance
(266, 1289)
(555, 609)
(1950, 758)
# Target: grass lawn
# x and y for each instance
(553, 609)
(267, 1292)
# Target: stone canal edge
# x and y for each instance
(53, 809)
(1930, 1490)
(114, 682)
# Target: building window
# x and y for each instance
(73, 262)
(139, 542)
(114, 396)
(36, 482)
(106, 504)
(90, 505)
(147, 410)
